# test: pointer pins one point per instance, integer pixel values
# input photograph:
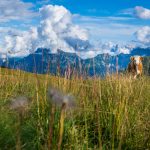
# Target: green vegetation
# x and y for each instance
(111, 113)
(146, 64)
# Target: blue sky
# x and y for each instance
(95, 7)
(116, 21)
(102, 9)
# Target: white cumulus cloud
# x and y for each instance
(141, 12)
(138, 12)
(58, 29)
(15, 10)
(143, 35)
(115, 49)
(54, 32)
(106, 48)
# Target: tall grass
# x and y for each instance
(111, 113)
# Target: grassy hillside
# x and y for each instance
(111, 113)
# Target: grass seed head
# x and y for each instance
(58, 98)
(69, 100)
(55, 96)
(19, 104)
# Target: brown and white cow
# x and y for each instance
(135, 67)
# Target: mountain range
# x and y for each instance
(42, 61)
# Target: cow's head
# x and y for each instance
(137, 61)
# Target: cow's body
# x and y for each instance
(135, 67)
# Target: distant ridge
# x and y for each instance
(42, 61)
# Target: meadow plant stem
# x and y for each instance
(61, 129)
(121, 139)
(99, 129)
(51, 122)
(38, 107)
(99, 103)
(37, 95)
(0, 73)
(113, 132)
(86, 128)
(37, 100)
(18, 138)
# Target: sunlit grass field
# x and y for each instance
(112, 113)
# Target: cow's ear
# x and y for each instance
(141, 58)
(132, 58)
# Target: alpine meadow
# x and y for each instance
(74, 75)
(110, 113)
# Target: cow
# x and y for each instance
(135, 67)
